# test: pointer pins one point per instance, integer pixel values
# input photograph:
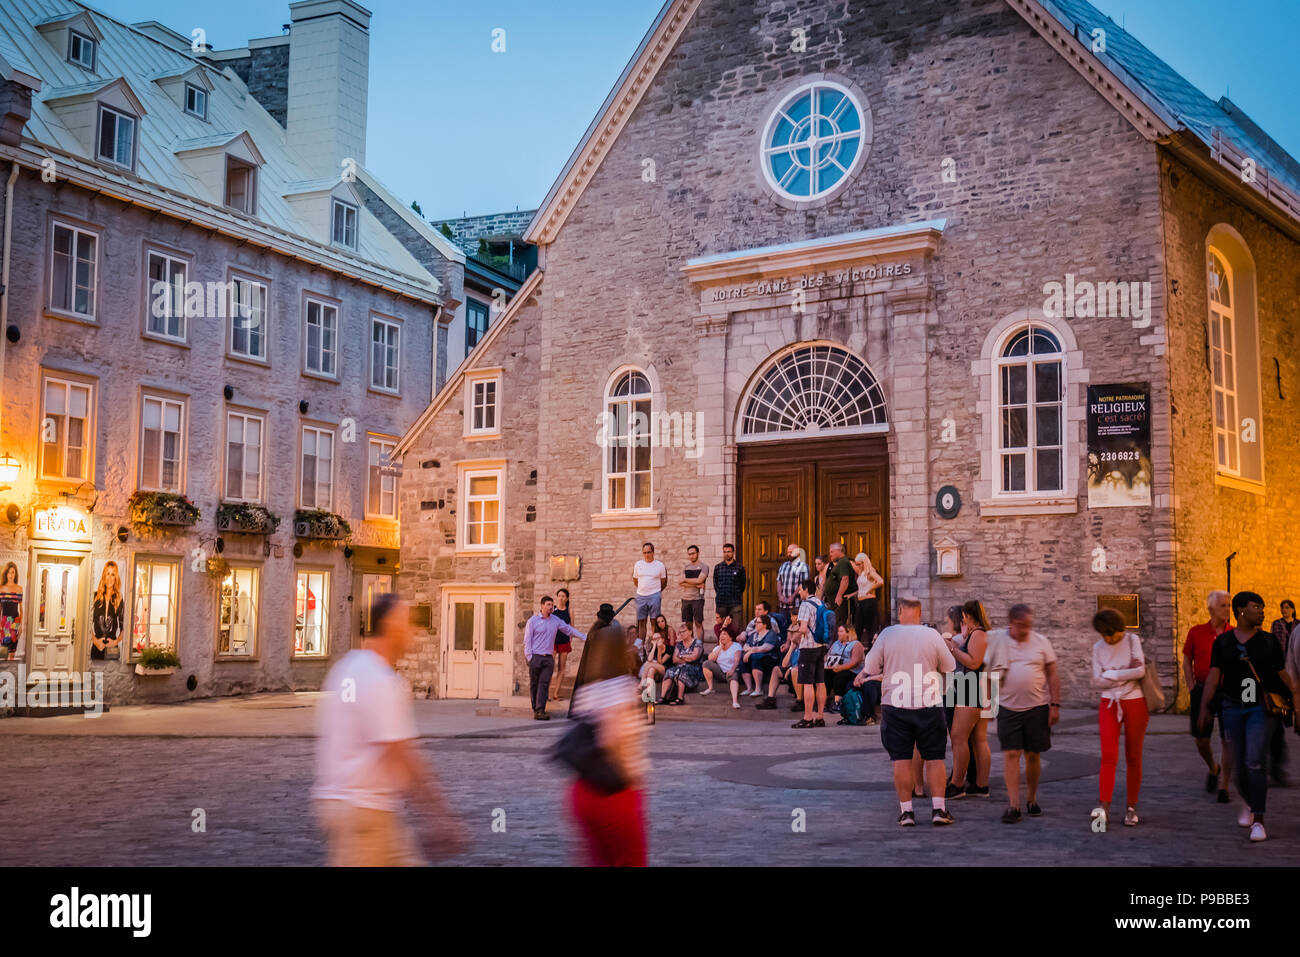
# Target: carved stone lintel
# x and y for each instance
(706, 326)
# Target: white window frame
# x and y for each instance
(476, 382)
(375, 449)
(175, 300)
(200, 97)
(252, 650)
(77, 232)
(261, 327)
(322, 610)
(347, 235)
(1223, 358)
(323, 305)
(315, 502)
(394, 346)
(87, 431)
(250, 193)
(134, 124)
(629, 473)
(244, 416)
(86, 42)
(811, 88)
(142, 613)
(469, 471)
(1031, 363)
(163, 400)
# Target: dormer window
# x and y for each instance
(116, 137)
(241, 186)
(81, 50)
(344, 230)
(196, 101)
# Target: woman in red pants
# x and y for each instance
(611, 817)
(1117, 669)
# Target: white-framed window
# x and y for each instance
(241, 186)
(248, 318)
(627, 469)
(74, 270)
(155, 603)
(162, 443)
(1223, 366)
(483, 404)
(317, 468)
(116, 137)
(385, 354)
(814, 140)
(196, 101)
(1029, 379)
(381, 481)
(1234, 356)
(343, 224)
(165, 312)
(321, 338)
(311, 630)
(239, 596)
(66, 429)
(81, 50)
(482, 501)
(245, 439)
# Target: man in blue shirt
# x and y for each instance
(539, 652)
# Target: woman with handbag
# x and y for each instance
(1118, 668)
(606, 748)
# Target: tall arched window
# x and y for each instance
(1029, 373)
(1236, 403)
(627, 442)
(1223, 365)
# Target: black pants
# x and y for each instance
(838, 682)
(540, 669)
(864, 620)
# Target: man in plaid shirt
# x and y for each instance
(788, 578)
(729, 584)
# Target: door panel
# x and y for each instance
(54, 613)
(478, 657)
(462, 657)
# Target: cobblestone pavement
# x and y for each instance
(123, 788)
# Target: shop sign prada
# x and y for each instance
(785, 284)
(61, 523)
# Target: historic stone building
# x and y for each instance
(983, 289)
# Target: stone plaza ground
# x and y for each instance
(122, 789)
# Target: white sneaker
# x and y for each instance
(1246, 818)
(706, 691)
(754, 694)
(1257, 833)
(736, 705)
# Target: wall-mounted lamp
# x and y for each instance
(228, 392)
(302, 406)
(8, 469)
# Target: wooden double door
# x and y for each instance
(812, 492)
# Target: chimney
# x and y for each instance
(329, 79)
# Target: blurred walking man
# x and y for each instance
(366, 757)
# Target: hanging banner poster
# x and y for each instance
(1119, 445)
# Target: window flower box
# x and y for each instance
(317, 523)
(156, 661)
(247, 519)
(154, 510)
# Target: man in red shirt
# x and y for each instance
(1196, 668)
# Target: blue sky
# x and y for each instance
(486, 131)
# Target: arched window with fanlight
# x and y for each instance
(628, 482)
(1029, 377)
(1223, 365)
(1233, 353)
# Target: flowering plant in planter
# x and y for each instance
(318, 523)
(218, 567)
(248, 519)
(156, 661)
(160, 509)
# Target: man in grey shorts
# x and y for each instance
(694, 577)
(651, 579)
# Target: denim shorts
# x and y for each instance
(647, 606)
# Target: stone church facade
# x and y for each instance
(815, 244)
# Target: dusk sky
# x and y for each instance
(463, 129)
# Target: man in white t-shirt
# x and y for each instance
(912, 660)
(651, 578)
(366, 757)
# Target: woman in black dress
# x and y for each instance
(107, 613)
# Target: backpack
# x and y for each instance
(851, 706)
(824, 629)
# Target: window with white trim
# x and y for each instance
(311, 621)
(317, 468)
(343, 220)
(241, 186)
(244, 442)
(196, 101)
(74, 268)
(155, 603)
(483, 405)
(385, 354)
(1223, 366)
(813, 141)
(240, 594)
(1029, 379)
(381, 480)
(81, 50)
(162, 443)
(166, 310)
(480, 511)
(66, 429)
(321, 335)
(116, 137)
(248, 318)
(627, 469)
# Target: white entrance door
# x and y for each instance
(474, 633)
(55, 597)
